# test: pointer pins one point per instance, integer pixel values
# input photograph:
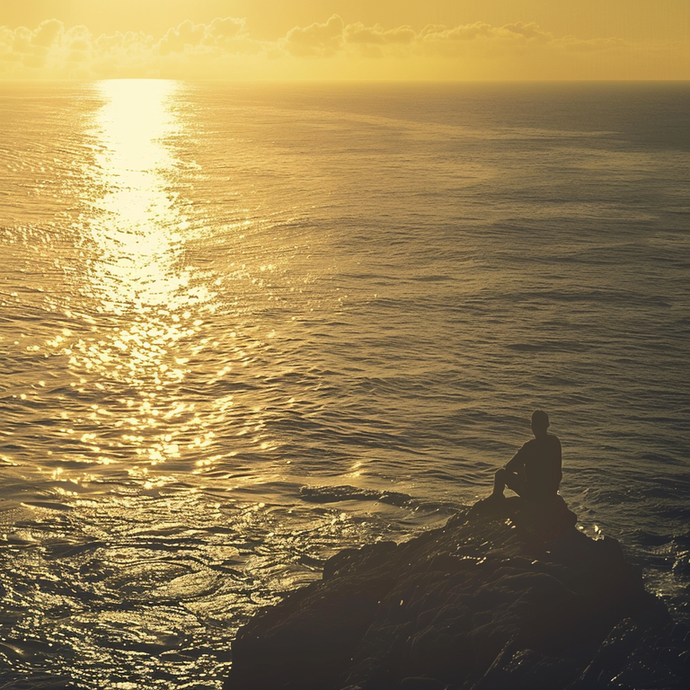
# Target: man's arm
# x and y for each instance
(559, 464)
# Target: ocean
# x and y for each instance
(244, 326)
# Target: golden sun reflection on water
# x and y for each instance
(137, 282)
(171, 376)
(137, 225)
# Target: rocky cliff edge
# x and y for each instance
(503, 597)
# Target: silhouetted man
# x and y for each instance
(534, 473)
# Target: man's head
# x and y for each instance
(540, 422)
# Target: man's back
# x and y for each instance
(539, 461)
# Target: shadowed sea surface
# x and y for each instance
(243, 327)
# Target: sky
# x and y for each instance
(447, 40)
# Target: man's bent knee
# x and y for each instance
(500, 474)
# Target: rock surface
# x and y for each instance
(502, 597)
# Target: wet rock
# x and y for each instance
(638, 657)
(525, 668)
(421, 684)
(502, 597)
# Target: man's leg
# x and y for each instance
(504, 478)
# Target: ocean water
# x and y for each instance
(245, 326)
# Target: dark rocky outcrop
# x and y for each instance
(502, 597)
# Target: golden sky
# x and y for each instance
(345, 39)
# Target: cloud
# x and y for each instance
(527, 31)
(224, 48)
(316, 39)
(334, 36)
(182, 37)
(376, 35)
(123, 42)
(444, 37)
(78, 43)
(130, 54)
(222, 35)
(47, 33)
(221, 31)
(32, 47)
(466, 32)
